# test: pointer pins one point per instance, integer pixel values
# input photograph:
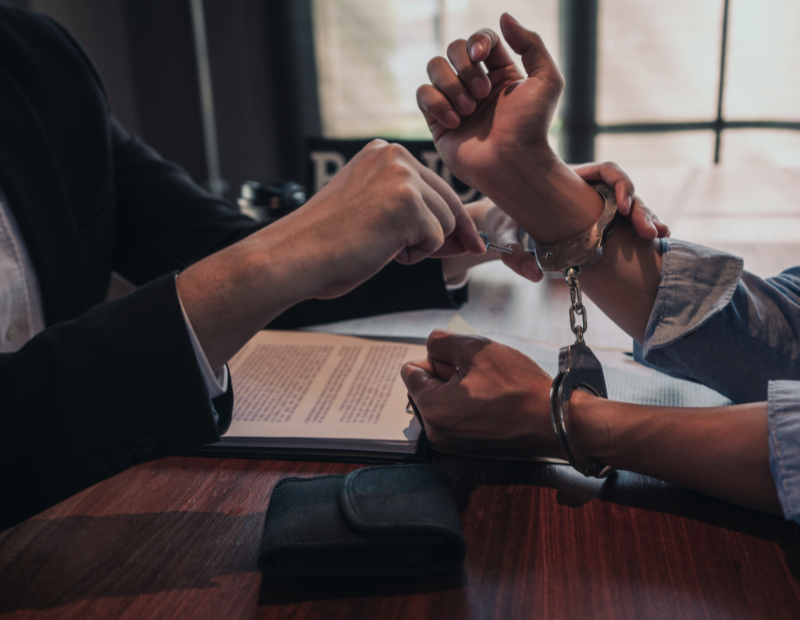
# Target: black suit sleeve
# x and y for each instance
(165, 221)
(87, 398)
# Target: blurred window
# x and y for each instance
(372, 56)
(658, 70)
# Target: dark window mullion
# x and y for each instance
(720, 122)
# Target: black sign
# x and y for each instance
(326, 157)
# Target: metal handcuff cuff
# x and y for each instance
(578, 368)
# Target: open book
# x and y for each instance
(316, 394)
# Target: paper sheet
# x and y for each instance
(305, 389)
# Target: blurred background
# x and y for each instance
(230, 89)
(654, 84)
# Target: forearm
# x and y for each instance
(232, 294)
(720, 451)
(624, 283)
(548, 199)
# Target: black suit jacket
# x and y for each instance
(109, 384)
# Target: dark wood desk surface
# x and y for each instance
(178, 538)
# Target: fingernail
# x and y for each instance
(475, 50)
(465, 103)
(512, 17)
(451, 119)
(479, 87)
(628, 202)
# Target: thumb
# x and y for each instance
(419, 377)
(523, 263)
(453, 350)
(528, 44)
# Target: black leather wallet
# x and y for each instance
(385, 520)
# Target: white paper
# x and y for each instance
(312, 390)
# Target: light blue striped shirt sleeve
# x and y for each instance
(721, 326)
(784, 444)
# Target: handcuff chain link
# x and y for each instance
(576, 305)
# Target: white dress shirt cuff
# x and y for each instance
(216, 383)
(457, 285)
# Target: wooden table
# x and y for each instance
(178, 538)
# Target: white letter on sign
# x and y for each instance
(326, 165)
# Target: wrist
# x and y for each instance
(548, 199)
(591, 432)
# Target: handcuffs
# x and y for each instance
(578, 367)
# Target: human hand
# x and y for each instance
(502, 230)
(382, 205)
(645, 222)
(491, 130)
(481, 122)
(481, 397)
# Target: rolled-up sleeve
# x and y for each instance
(784, 444)
(719, 325)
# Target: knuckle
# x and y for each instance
(472, 346)
(448, 225)
(423, 93)
(398, 170)
(405, 195)
(396, 151)
(434, 64)
(485, 35)
(375, 144)
(558, 81)
(436, 335)
(456, 47)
